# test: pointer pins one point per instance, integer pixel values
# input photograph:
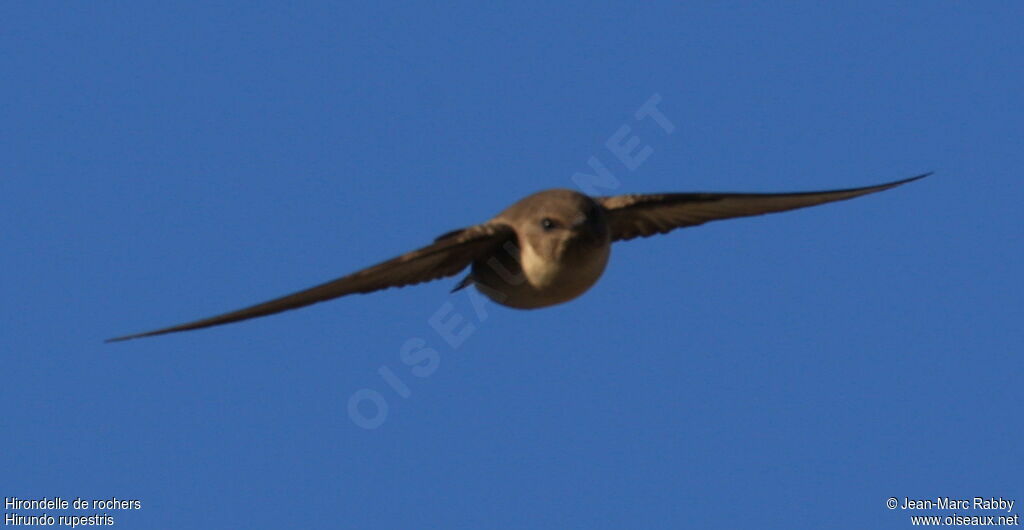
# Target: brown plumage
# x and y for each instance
(545, 249)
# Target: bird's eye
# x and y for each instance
(547, 224)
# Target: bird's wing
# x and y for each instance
(448, 255)
(631, 216)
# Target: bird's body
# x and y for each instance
(545, 249)
(556, 257)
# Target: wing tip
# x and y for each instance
(888, 185)
(162, 331)
(127, 337)
(912, 179)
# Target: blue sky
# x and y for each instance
(161, 162)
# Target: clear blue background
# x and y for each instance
(161, 162)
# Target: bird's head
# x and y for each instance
(554, 223)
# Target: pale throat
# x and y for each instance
(567, 269)
(540, 271)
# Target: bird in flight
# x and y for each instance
(546, 249)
